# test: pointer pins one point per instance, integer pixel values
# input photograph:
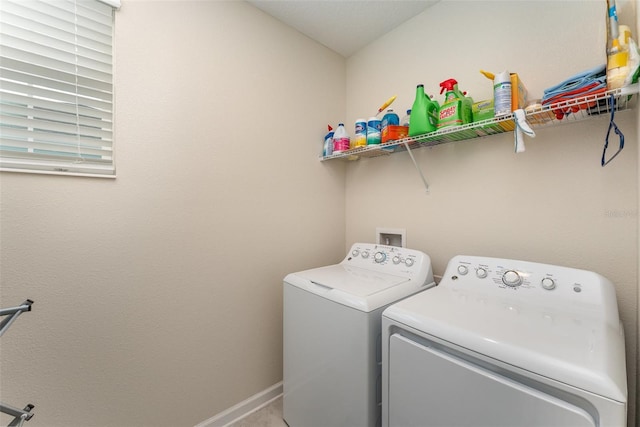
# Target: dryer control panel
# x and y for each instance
(548, 285)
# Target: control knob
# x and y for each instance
(409, 262)
(481, 273)
(511, 278)
(380, 257)
(462, 269)
(396, 260)
(548, 283)
(365, 254)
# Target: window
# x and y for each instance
(56, 87)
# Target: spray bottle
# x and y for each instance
(456, 109)
(327, 147)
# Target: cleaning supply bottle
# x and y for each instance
(360, 137)
(618, 54)
(389, 131)
(390, 119)
(374, 130)
(327, 148)
(405, 119)
(423, 113)
(502, 93)
(456, 109)
(633, 64)
(340, 139)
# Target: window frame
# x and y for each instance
(57, 97)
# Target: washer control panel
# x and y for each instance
(524, 278)
(389, 259)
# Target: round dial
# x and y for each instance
(355, 252)
(365, 254)
(408, 262)
(396, 260)
(511, 278)
(380, 256)
(462, 269)
(548, 283)
(481, 273)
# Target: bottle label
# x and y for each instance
(340, 144)
(502, 98)
(449, 116)
(390, 119)
(373, 131)
(360, 138)
(432, 117)
(328, 146)
(448, 112)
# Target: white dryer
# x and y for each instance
(506, 343)
(332, 334)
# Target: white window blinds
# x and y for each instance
(56, 87)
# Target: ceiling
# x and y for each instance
(343, 26)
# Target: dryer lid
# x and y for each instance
(555, 321)
(359, 288)
(556, 344)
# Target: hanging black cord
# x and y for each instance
(613, 125)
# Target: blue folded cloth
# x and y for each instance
(581, 80)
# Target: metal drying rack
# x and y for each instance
(19, 415)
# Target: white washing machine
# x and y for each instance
(332, 334)
(506, 343)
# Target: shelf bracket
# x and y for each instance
(413, 159)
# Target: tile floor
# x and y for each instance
(269, 416)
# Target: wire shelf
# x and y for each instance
(568, 111)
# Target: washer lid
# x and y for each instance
(359, 288)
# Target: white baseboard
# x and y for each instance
(244, 408)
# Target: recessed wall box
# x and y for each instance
(391, 237)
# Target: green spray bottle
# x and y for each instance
(424, 113)
(456, 109)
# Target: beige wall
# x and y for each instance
(554, 203)
(158, 294)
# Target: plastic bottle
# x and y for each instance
(418, 122)
(405, 119)
(360, 137)
(618, 55)
(340, 139)
(502, 93)
(374, 128)
(327, 148)
(388, 133)
(390, 119)
(456, 109)
(424, 113)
